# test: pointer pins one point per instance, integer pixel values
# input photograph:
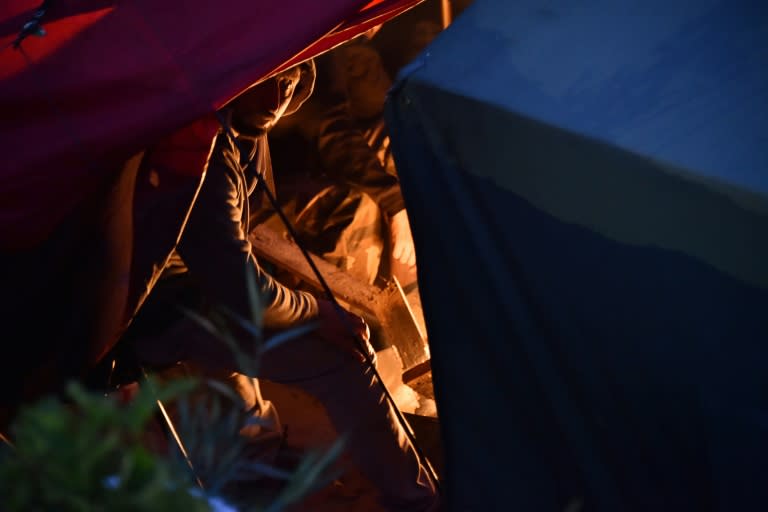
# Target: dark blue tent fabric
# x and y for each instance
(587, 184)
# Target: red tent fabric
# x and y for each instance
(108, 78)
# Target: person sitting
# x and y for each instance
(211, 270)
(347, 205)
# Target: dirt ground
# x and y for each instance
(307, 428)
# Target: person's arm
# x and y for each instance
(347, 157)
(216, 250)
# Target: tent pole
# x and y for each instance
(445, 11)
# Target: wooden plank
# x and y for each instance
(385, 309)
(284, 253)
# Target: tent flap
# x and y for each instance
(109, 79)
(595, 303)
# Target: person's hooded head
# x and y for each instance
(258, 109)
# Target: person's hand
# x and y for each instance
(402, 240)
(341, 327)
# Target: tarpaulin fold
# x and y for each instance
(109, 78)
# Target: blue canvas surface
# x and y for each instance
(586, 187)
(684, 82)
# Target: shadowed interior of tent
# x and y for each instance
(390, 302)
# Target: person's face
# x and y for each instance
(260, 107)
